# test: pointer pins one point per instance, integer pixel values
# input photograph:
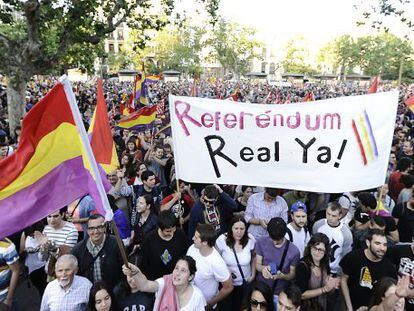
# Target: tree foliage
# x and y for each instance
(296, 57)
(381, 14)
(381, 54)
(234, 46)
(180, 48)
(44, 36)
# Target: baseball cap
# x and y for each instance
(297, 206)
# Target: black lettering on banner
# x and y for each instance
(265, 155)
(325, 155)
(217, 152)
(305, 148)
(246, 154)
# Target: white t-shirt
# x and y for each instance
(348, 201)
(197, 301)
(211, 270)
(340, 238)
(245, 257)
(300, 238)
(32, 260)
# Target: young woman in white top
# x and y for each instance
(189, 297)
(30, 246)
(237, 242)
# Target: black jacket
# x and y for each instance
(111, 261)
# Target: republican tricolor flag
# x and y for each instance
(102, 143)
(373, 88)
(309, 97)
(53, 165)
(141, 118)
(410, 103)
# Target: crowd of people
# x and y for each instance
(194, 247)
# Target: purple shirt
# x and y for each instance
(122, 224)
(270, 253)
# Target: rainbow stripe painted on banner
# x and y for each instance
(362, 128)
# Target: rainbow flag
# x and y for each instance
(365, 137)
(102, 143)
(50, 168)
(139, 119)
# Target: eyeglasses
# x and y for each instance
(210, 202)
(319, 250)
(260, 304)
(98, 228)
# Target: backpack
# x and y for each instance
(290, 235)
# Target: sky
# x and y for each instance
(317, 20)
(277, 21)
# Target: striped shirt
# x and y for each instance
(258, 208)
(74, 299)
(67, 235)
(8, 256)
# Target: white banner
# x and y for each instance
(334, 145)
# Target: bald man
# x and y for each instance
(68, 292)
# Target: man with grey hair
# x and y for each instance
(68, 292)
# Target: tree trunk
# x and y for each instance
(400, 71)
(16, 91)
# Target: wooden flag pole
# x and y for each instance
(180, 208)
(119, 242)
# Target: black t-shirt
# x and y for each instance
(402, 256)
(363, 274)
(136, 302)
(364, 217)
(405, 221)
(159, 256)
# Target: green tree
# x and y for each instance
(39, 37)
(382, 14)
(346, 54)
(179, 48)
(234, 47)
(383, 55)
(296, 57)
(326, 59)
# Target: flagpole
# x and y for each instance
(91, 159)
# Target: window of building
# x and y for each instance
(111, 47)
(263, 67)
(272, 68)
(120, 34)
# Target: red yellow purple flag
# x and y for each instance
(410, 103)
(373, 88)
(52, 166)
(141, 118)
(102, 143)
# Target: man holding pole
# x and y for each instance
(98, 256)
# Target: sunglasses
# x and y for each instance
(210, 202)
(261, 304)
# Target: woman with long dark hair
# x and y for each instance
(313, 274)
(241, 201)
(260, 297)
(100, 298)
(236, 247)
(146, 221)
